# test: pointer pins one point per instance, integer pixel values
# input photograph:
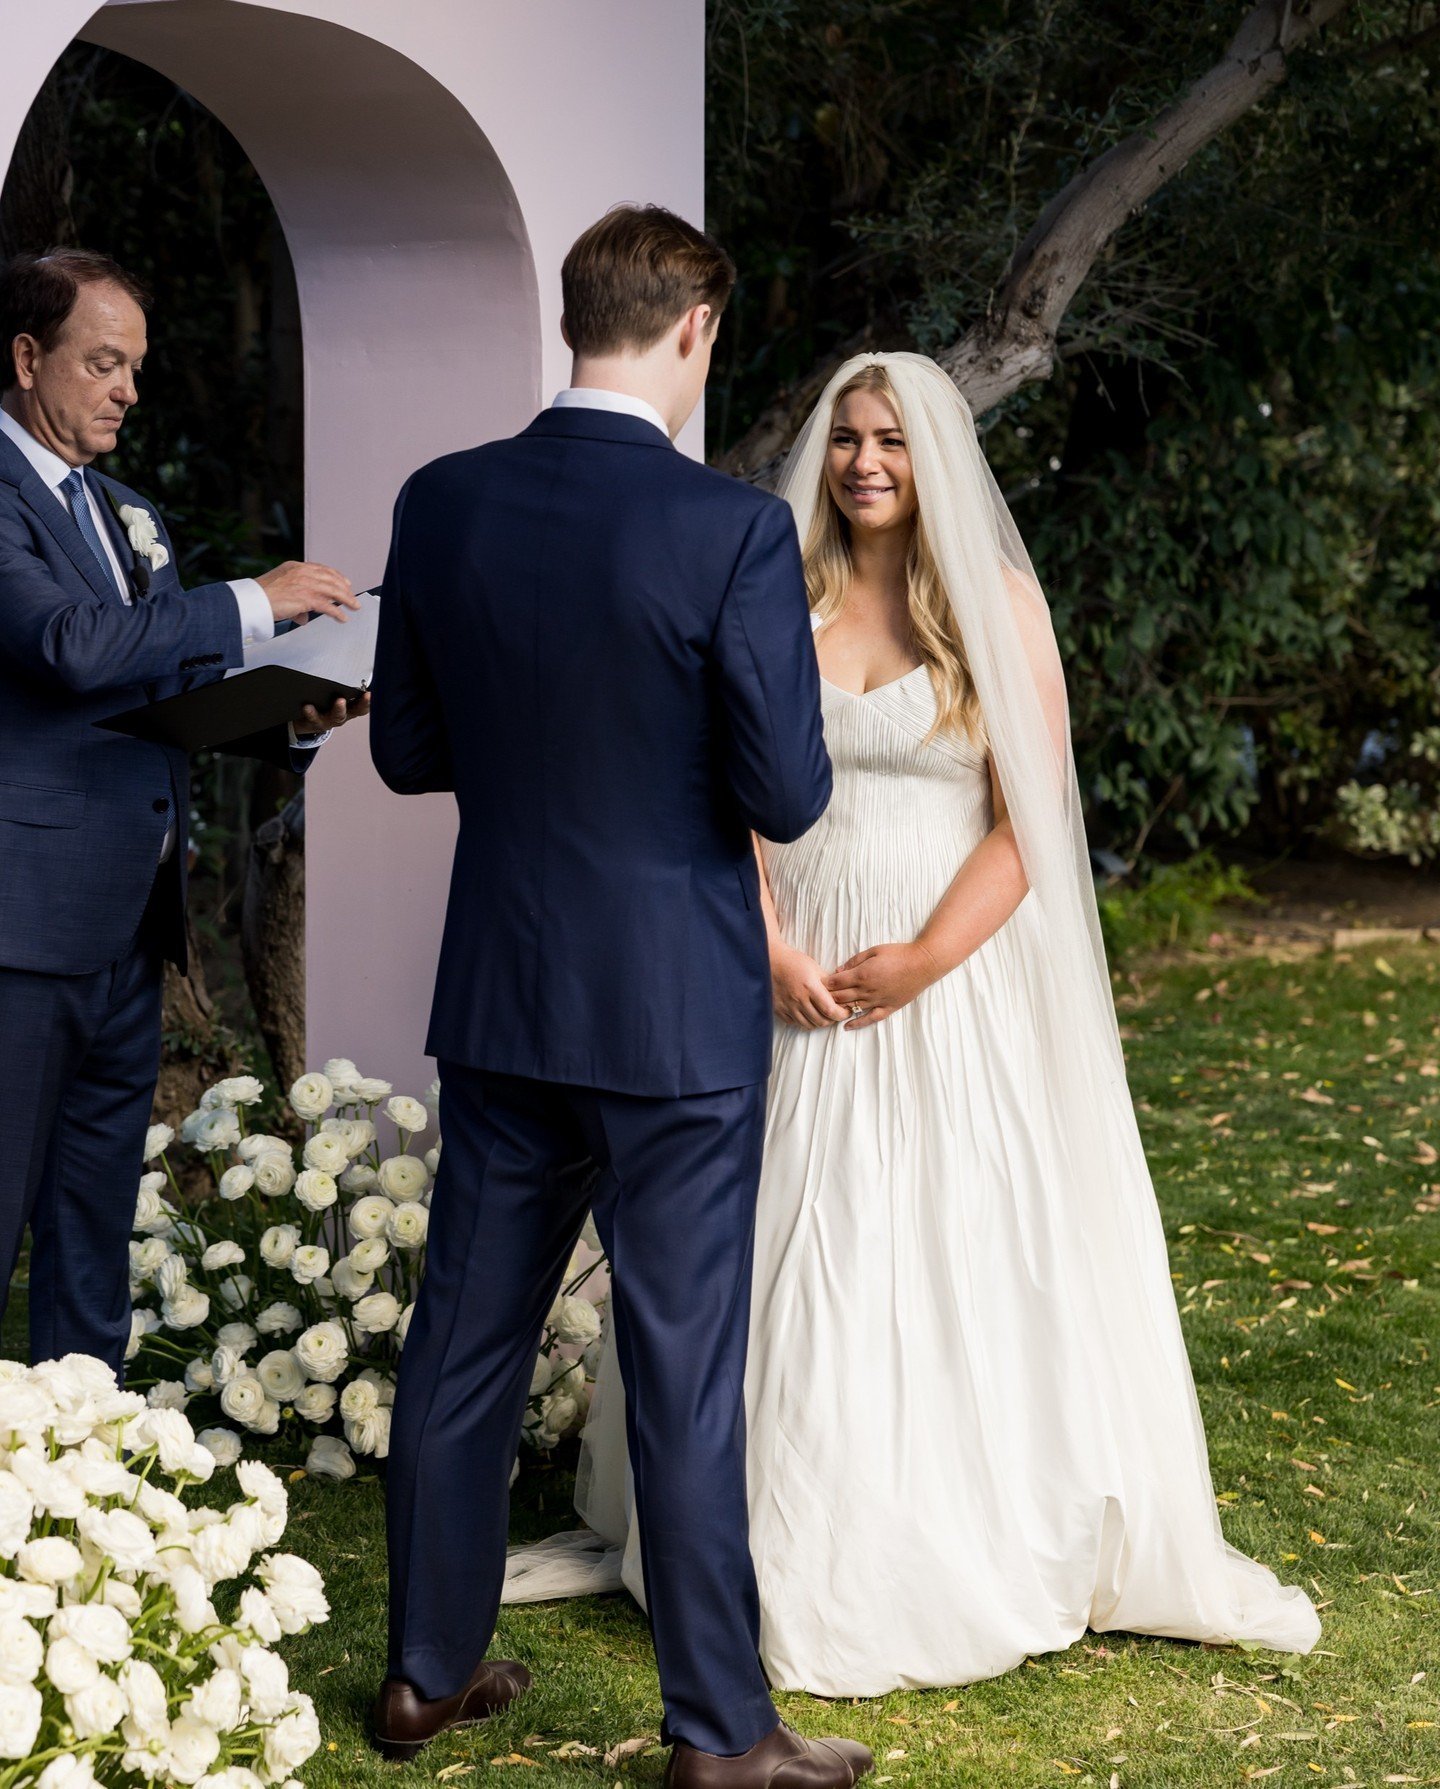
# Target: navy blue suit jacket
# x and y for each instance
(83, 812)
(604, 649)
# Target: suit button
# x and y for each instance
(160, 805)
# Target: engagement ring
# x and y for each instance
(856, 1010)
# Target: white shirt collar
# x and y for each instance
(50, 467)
(591, 397)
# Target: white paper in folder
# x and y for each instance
(341, 651)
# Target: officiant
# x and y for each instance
(94, 824)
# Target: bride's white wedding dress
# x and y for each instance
(950, 1466)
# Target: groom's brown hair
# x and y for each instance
(633, 274)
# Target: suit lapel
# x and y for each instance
(139, 573)
(53, 512)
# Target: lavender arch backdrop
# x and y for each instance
(430, 165)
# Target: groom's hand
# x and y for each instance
(880, 981)
(310, 720)
(298, 589)
(799, 991)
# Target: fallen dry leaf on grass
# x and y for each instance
(627, 1748)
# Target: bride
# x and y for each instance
(973, 1432)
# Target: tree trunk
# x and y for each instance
(272, 937)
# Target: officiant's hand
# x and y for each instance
(298, 589)
(311, 721)
(881, 981)
(800, 995)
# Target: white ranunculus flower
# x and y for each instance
(49, 1560)
(121, 1536)
(97, 1709)
(376, 1312)
(359, 1177)
(295, 1589)
(142, 1322)
(144, 1689)
(21, 1649)
(282, 1375)
(294, 1738)
(316, 1404)
(223, 1550)
(324, 1351)
(316, 1190)
(257, 1617)
(329, 1457)
(189, 1308)
(54, 1490)
(349, 1280)
(216, 1701)
(406, 1114)
(268, 1421)
(98, 1473)
(36, 1602)
(218, 1128)
(341, 1073)
(69, 1667)
(402, 1328)
(158, 1139)
(235, 1291)
(431, 1096)
(274, 1173)
(236, 1182)
(71, 1770)
(259, 1143)
(146, 1256)
(408, 1225)
(309, 1262)
(243, 1398)
(360, 1398)
(312, 1097)
(574, 1320)
(192, 1748)
(278, 1319)
(369, 1091)
(199, 1375)
(194, 1612)
(172, 1434)
(402, 1177)
(369, 1216)
(589, 1235)
(326, 1152)
(370, 1434)
(20, 1712)
(235, 1335)
(432, 1161)
(223, 1444)
(238, 1090)
(222, 1254)
(227, 1363)
(279, 1244)
(371, 1255)
(17, 1512)
(257, 1481)
(543, 1374)
(267, 1682)
(357, 1134)
(102, 1631)
(152, 1213)
(139, 525)
(171, 1275)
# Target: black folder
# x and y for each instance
(235, 707)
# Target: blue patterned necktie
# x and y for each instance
(74, 489)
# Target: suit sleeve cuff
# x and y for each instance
(307, 742)
(257, 622)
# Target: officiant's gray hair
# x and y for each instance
(38, 293)
(634, 274)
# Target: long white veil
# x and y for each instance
(1113, 1222)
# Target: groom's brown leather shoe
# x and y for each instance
(782, 1760)
(403, 1721)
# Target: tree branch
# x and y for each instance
(1014, 344)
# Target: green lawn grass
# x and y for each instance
(1284, 1106)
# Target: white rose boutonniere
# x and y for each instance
(144, 535)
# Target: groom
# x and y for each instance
(603, 648)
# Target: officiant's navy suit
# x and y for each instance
(88, 912)
(603, 648)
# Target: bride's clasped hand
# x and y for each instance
(864, 991)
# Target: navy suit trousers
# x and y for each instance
(672, 1183)
(81, 1058)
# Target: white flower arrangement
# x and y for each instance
(279, 1305)
(115, 1668)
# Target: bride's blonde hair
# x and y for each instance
(933, 627)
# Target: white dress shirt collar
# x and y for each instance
(592, 397)
(50, 467)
